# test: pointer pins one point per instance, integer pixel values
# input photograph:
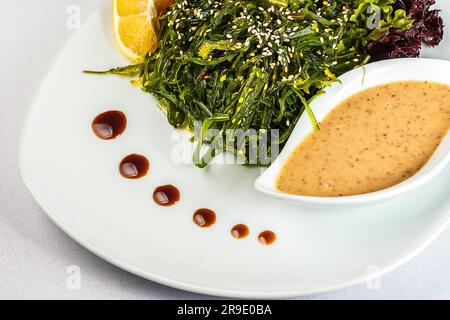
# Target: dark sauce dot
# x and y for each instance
(109, 125)
(204, 217)
(240, 231)
(166, 195)
(267, 237)
(134, 166)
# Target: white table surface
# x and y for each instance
(35, 254)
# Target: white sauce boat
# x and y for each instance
(377, 73)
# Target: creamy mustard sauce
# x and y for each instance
(373, 140)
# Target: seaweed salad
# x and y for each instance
(255, 65)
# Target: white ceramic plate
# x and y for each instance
(74, 177)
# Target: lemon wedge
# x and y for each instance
(136, 27)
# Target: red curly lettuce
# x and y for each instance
(427, 28)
